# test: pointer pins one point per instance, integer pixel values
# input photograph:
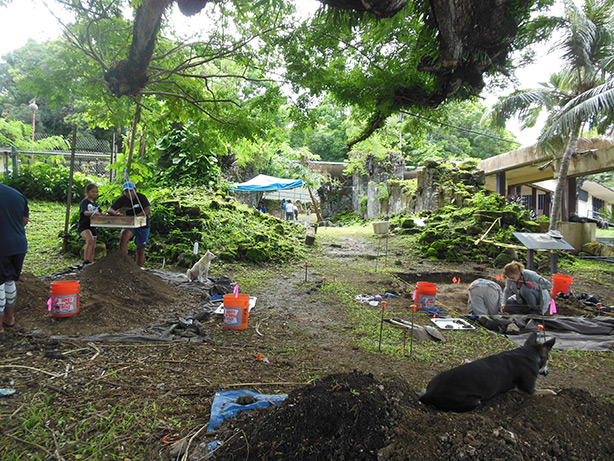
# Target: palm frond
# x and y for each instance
(526, 104)
(578, 38)
(594, 107)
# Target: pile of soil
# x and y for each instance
(352, 416)
(115, 296)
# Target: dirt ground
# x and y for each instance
(344, 402)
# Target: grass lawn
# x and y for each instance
(606, 232)
(44, 232)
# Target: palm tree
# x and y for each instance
(580, 96)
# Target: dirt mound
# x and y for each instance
(353, 417)
(115, 295)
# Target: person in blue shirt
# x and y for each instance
(14, 215)
(282, 213)
(261, 207)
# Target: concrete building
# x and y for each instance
(526, 172)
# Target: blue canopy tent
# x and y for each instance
(263, 182)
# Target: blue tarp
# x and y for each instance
(225, 406)
(263, 182)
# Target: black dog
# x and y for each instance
(464, 388)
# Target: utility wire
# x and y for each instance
(460, 128)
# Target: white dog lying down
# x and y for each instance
(200, 270)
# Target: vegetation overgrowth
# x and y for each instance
(231, 230)
(472, 232)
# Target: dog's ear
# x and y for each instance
(547, 346)
(531, 339)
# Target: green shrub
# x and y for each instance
(48, 181)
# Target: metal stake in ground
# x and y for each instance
(411, 339)
(306, 265)
(379, 241)
(381, 326)
(386, 258)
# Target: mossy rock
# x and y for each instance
(460, 231)
(191, 211)
(256, 254)
(598, 249)
(502, 259)
(429, 236)
(261, 237)
(509, 218)
(172, 204)
(187, 225)
(228, 254)
(232, 205)
(407, 223)
(469, 164)
(531, 226)
(412, 231)
(481, 216)
(440, 245)
(217, 203)
(432, 252)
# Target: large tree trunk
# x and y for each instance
(557, 201)
(129, 76)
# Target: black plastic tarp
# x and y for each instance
(588, 334)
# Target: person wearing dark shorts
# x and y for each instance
(14, 215)
(87, 209)
(135, 204)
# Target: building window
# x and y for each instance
(541, 201)
(598, 205)
(527, 201)
(583, 195)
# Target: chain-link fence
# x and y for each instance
(92, 156)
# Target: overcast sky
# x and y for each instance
(25, 19)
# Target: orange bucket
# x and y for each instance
(64, 298)
(236, 311)
(560, 283)
(424, 296)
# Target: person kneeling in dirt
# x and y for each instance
(485, 298)
(135, 204)
(526, 292)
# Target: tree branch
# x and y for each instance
(189, 101)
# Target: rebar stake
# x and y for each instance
(379, 241)
(381, 326)
(411, 339)
(386, 258)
